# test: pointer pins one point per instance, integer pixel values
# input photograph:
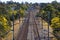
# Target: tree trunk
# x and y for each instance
(0, 38)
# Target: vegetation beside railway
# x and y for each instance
(10, 11)
(50, 12)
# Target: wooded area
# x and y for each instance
(11, 11)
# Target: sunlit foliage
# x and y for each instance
(4, 26)
(55, 22)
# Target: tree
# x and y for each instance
(55, 22)
(21, 12)
(4, 25)
(4, 20)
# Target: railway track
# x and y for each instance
(36, 32)
(35, 28)
(32, 29)
(22, 35)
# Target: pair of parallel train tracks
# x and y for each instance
(22, 35)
